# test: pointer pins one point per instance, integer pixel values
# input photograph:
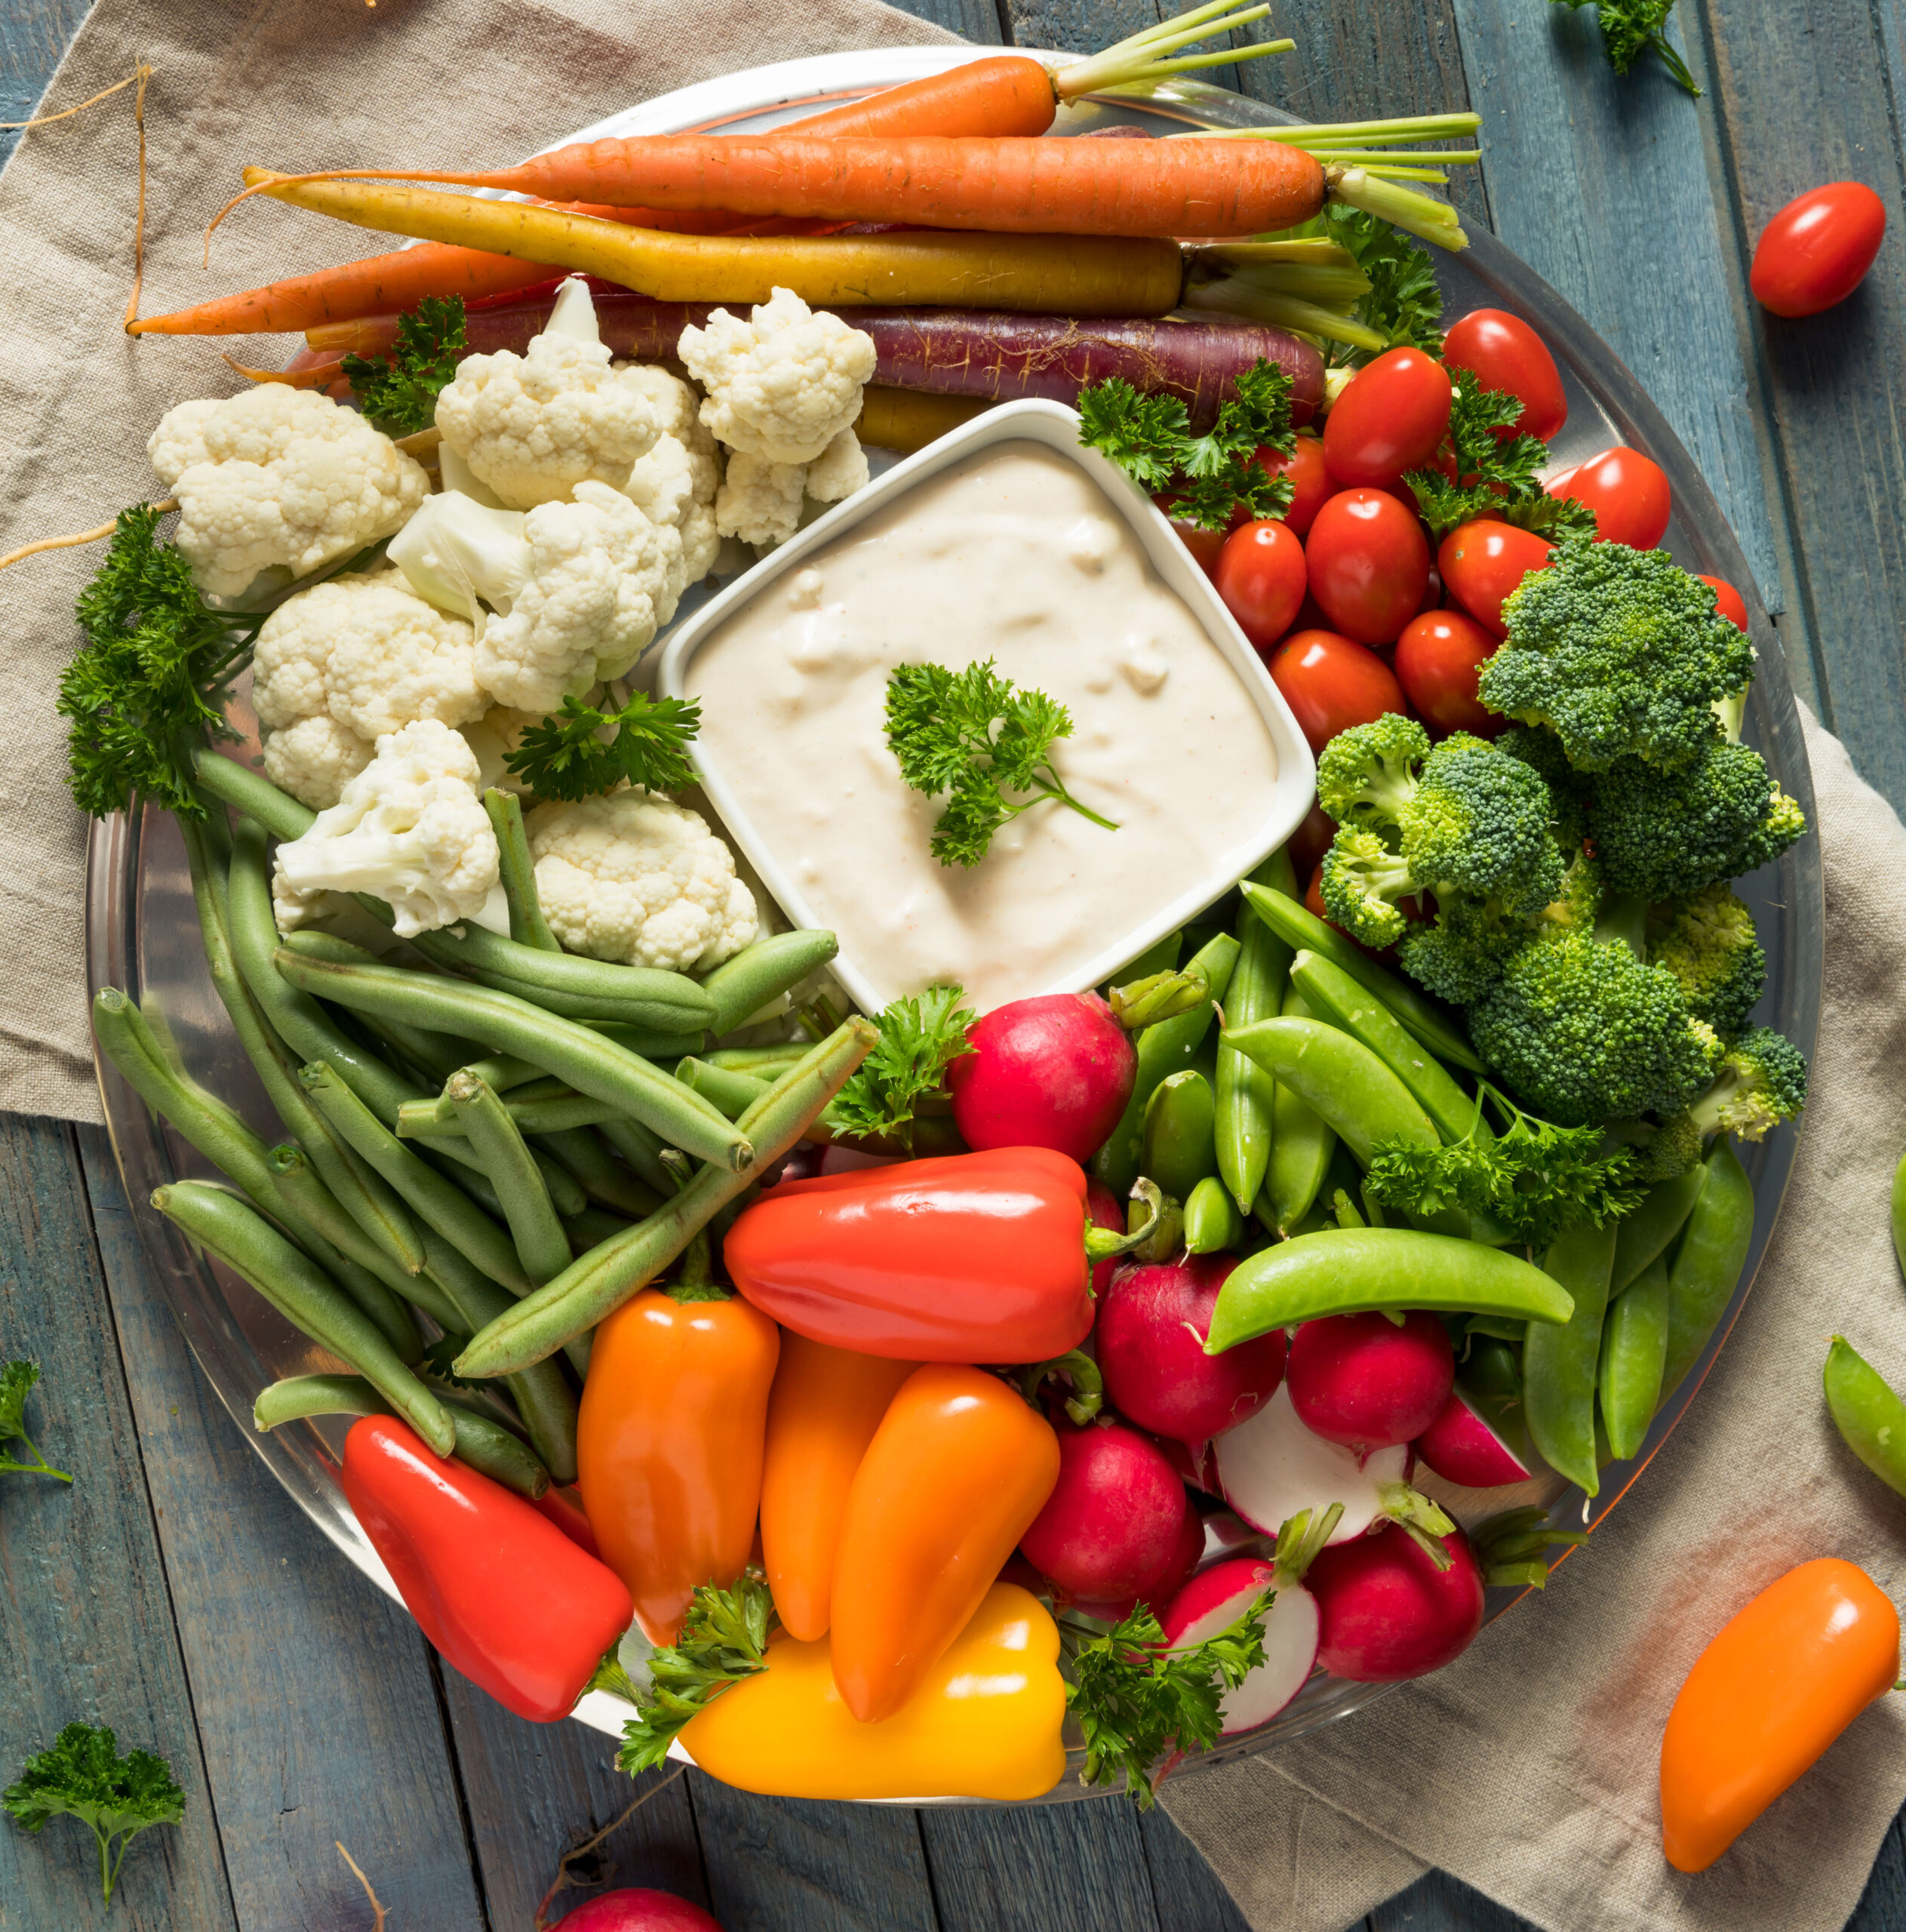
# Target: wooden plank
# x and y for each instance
(316, 1702)
(1187, 1894)
(978, 20)
(1436, 1903)
(785, 1864)
(86, 1628)
(1048, 1868)
(1824, 112)
(33, 35)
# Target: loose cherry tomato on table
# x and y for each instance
(1816, 251)
(1482, 562)
(1331, 682)
(1628, 494)
(1728, 602)
(1504, 353)
(1261, 576)
(1369, 563)
(1438, 658)
(1310, 481)
(1389, 419)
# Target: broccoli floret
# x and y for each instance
(1460, 956)
(1707, 943)
(1363, 880)
(1663, 833)
(1661, 1152)
(1538, 747)
(1621, 653)
(1762, 1082)
(1369, 774)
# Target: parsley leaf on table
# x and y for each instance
(81, 1775)
(919, 1038)
(567, 756)
(723, 1639)
(16, 1379)
(398, 392)
(1630, 28)
(940, 726)
(1496, 476)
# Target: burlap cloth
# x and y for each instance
(1528, 1768)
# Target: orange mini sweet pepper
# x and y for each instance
(957, 1470)
(668, 1443)
(1784, 1679)
(825, 1407)
(983, 1722)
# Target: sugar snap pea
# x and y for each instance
(1339, 1078)
(1491, 1376)
(1301, 1144)
(498, 1143)
(226, 1228)
(1707, 1266)
(1634, 1347)
(1870, 1417)
(1559, 1361)
(1650, 1231)
(1351, 1271)
(763, 972)
(1213, 1224)
(1177, 1149)
(1244, 1094)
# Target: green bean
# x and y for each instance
(764, 1062)
(1165, 1048)
(1650, 1230)
(1634, 1347)
(647, 1042)
(1301, 1144)
(498, 1142)
(1213, 1224)
(450, 1151)
(482, 1442)
(1245, 1094)
(231, 1233)
(641, 1147)
(1352, 1271)
(1333, 995)
(763, 972)
(1298, 926)
(638, 995)
(1558, 1362)
(506, 1072)
(1178, 1150)
(516, 870)
(602, 1177)
(435, 1119)
(1899, 1212)
(592, 1227)
(590, 1064)
(602, 1279)
(1870, 1417)
(733, 1093)
(281, 814)
(1707, 1266)
(1339, 1078)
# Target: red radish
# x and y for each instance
(1461, 1447)
(1114, 1527)
(1157, 1590)
(1365, 1381)
(1387, 1613)
(1195, 1462)
(1272, 1467)
(1054, 1072)
(1102, 1211)
(1150, 1343)
(641, 1910)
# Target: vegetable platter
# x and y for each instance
(142, 934)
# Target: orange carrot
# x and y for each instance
(1008, 94)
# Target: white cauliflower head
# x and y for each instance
(346, 663)
(760, 501)
(278, 480)
(409, 828)
(534, 426)
(781, 385)
(675, 483)
(839, 470)
(574, 587)
(632, 876)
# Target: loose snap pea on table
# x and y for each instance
(1177, 1149)
(1634, 1350)
(1352, 1271)
(1301, 1146)
(1559, 1362)
(1707, 1266)
(1870, 1417)
(1245, 1094)
(1340, 1079)
(1213, 1224)
(1650, 1230)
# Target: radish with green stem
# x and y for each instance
(1388, 1610)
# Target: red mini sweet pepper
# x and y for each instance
(501, 1592)
(970, 1258)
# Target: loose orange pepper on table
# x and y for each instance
(822, 1414)
(1782, 1679)
(957, 1470)
(668, 1442)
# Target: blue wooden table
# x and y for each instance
(176, 1594)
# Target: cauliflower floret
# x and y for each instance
(760, 501)
(278, 479)
(532, 427)
(633, 876)
(839, 470)
(675, 483)
(494, 736)
(409, 828)
(574, 587)
(783, 384)
(343, 664)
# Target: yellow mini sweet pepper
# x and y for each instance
(984, 1722)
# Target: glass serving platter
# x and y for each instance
(141, 934)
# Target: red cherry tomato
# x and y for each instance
(1503, 352)
(1204, 545)
(1369, 564)
(1816, 251)
(1331, 682)
(1389, 419)
(1260, 576)
(1311, 484)
(1728, 602)
(1628, 494)
(1482, 562)
(1438, 658)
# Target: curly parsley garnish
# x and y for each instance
(1404, 303)
(568, 756)
(919, 1038)
(81, 1775)
(16, 1379)
(1496, 476)
(724, 1640)
(398, 392)
(1631, 28)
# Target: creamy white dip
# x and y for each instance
(1015, 555)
